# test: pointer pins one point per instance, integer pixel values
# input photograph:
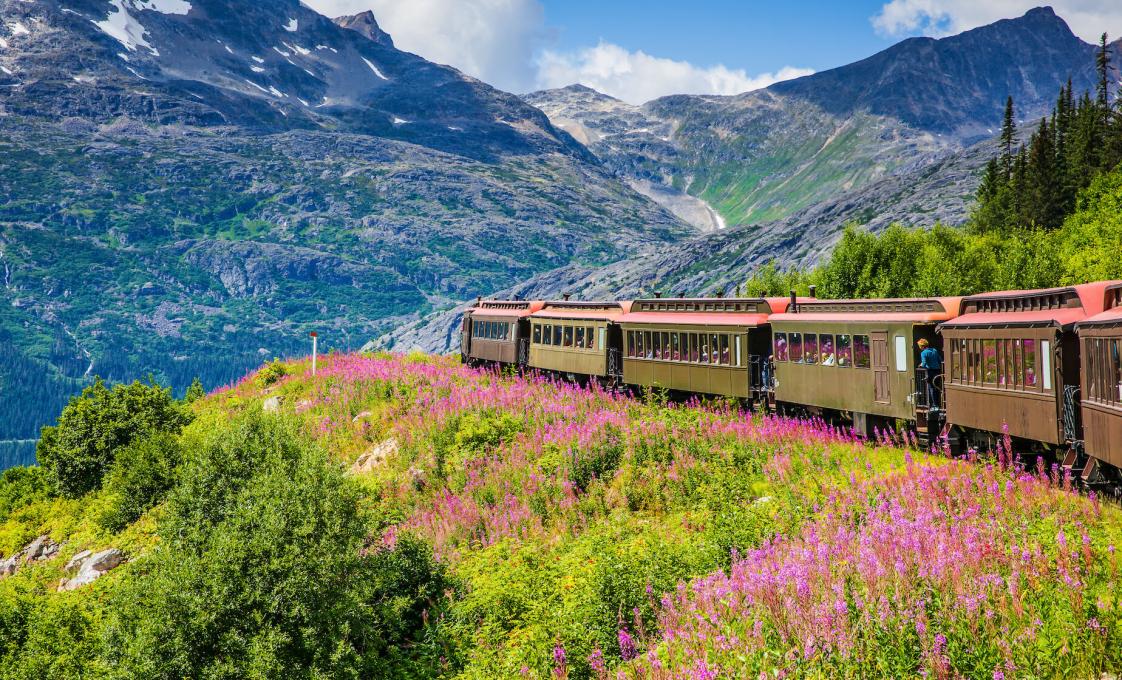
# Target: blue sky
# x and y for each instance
(637, 50)
(755, 36)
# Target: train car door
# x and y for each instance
(879, 342)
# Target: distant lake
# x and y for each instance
(17, 452)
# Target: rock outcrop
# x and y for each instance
(90, 567)
(42, 548)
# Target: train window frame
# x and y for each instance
(578, 337)
(603, 337)
(726, 359)
(1046, 365)
(567, 336)
(1116, 370)
(666, 354)
(844, 350)
(810, 349)
(557, 333)
(656, 346)
(675, 347)
(738, 356)
(862, 341)
(779, 347)
(695, 356)
(1018, 365)
(900, 349)
(795, 347)
(536, 337)
(714, 349)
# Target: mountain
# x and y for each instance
(188, 188)
(766, 155)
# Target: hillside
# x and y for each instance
(191, 181)
(408, 517)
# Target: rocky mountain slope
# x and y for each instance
(188, 188)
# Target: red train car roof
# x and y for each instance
(1061, 307)
(704, 311)
(505, 308)
(1112, 306)
(916, 310)
(581, 309)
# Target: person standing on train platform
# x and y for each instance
(932, 364)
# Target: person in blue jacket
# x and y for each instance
(932, 364)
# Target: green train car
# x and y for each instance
(857, 358)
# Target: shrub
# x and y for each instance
(273, 371)
(261, 572)
(195, 392)
(78, 451)
(20, 487)
(141, 477)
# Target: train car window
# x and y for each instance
(861, 355)
(603, 337)
(648, 347)
(1018, 365)
(780, 349)
(826, 347)
(738, 363)
(901, 350)
(580, 337)
(845, 351)
(675, 348)
(631, 344)
(537, 337)
(567, 340)
(1030, 363)
(666, 346)
(1115, 372)
(810, 348)
(726, 359)
(714, 349)
(1094, 351)
(795, 348)
(639, 351)
(656, 348)
(557, 330)
(1046, 364)
(989, 362)
(1007, 362)
(694, 356)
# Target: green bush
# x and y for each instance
(21, 486)
(273, 371)
(141, 477)
(195, 392)
(78, 451)
(261, 571)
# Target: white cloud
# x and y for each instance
(504, 43)
(493, 40)
(638, 77)
(1087, 18)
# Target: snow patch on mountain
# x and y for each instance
(163, 6)
(18, 29)
(375, 69)
(292, 25)
(124, 28)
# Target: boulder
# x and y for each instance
(91, 567)
(374, 456)
(272, 404)
(10, 565)
(77, 560)
(40, 549)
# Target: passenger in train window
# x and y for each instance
(666, 346)
(567, 338)
(725, 356)
(714, 349)
(780, 349)
(557, 336)
(589, 338)
(845, 356)
(580, 337)
(826, 342)
(810, 348)
(675, 348)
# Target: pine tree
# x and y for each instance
(1008, 137)
(1043, 195)
(1102, 63)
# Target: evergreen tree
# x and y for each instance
(1008, 138)
(1102, 64)
(1043, 185)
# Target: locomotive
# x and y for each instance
(1040, 368)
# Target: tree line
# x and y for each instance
(1035, 184)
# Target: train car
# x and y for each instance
(498, 331)
(1013, 365)
(857, 358)
(578, 339)
(1101, 390)
(708, 346)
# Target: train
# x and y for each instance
(1039, 369)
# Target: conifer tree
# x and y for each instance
(1008, 138)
